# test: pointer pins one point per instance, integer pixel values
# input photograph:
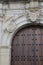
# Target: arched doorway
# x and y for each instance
(27, 46)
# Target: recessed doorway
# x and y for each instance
(27, 46)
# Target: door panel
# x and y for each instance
(27, 47)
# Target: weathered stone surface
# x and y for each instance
(12, 18)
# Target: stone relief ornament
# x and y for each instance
(34, 11)
(8, 26)
(11, 26)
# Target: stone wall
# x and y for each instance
(12, 17)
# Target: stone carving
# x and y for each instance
(34, 11)
(11, 27)
(8, 26)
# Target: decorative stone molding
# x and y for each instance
(34, 10)
(11, 24)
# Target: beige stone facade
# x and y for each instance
(12, 17)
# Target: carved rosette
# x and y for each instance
(34, 11)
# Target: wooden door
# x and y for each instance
(27, 46)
